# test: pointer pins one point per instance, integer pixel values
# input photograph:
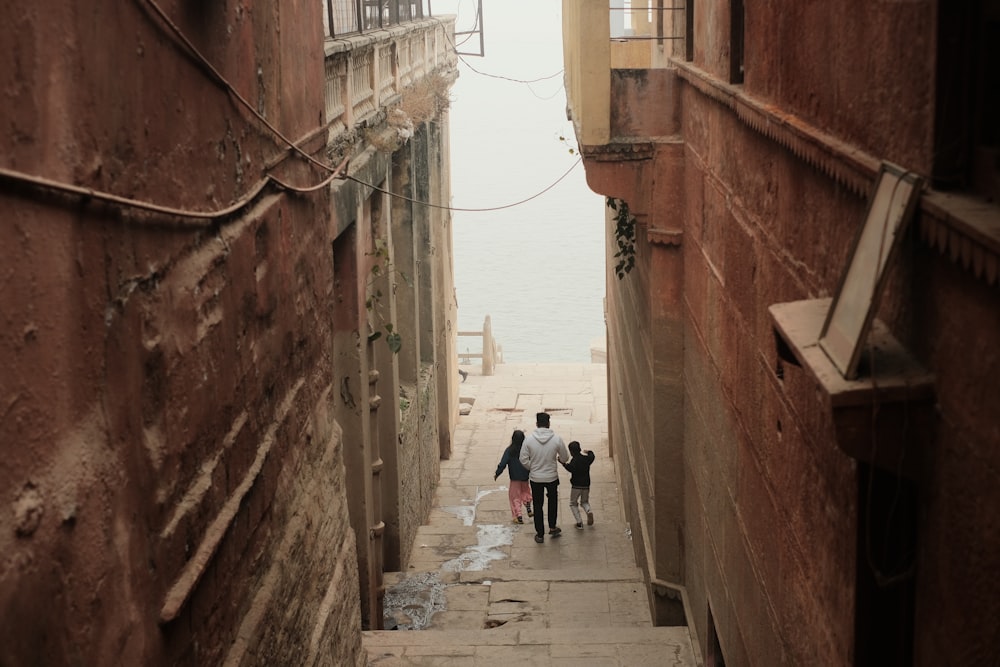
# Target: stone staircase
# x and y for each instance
(536, 617)
(479, 591)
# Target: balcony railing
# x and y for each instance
(351, 17)
(366, 73)
(604, 35)
(644, 33)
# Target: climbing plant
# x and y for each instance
(380, 267)
(624, 235)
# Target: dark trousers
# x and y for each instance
(538, 491)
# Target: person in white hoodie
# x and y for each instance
(541, 451)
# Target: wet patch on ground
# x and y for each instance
(412, 603)
(490, 538)
(467, 513)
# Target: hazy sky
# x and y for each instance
(536, 268)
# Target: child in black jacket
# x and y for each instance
(579, 479)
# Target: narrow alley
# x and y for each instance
(479, 591)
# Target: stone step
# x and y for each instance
(596, 616)
(633, 574)
(507, 645)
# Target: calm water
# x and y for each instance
(538, 268)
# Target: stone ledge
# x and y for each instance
(880, 415)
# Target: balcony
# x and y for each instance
(368, 70)
(617, 58)
(346, 17)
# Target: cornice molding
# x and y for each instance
(963, 228)
(671, 237)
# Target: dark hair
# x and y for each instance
(574, 447)
(542, 419)
(516, 440)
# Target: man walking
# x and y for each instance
(541, 451)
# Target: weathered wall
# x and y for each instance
(765, 228)
(419, 461)
(394, 276)
(849, 71)
(630, 381)
(173, 472)
(423, 295)
(774, 188)
(770, 499)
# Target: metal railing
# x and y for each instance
(643, 20)
(351, 17)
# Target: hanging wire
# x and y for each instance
(884, 579)
(259, 186)
(468, 210)
(498, 76)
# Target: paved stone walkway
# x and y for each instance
(479, 591)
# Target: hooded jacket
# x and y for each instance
(541, 451)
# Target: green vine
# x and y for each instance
(373, 302)
(624, 235)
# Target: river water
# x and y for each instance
(537, 269)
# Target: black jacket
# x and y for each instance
(579, 469)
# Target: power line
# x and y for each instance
(495, 76)
(469, 210)
(257, 188)
(150, 207)
(507, 78)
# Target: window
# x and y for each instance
(343, 17)
(736, 41)
(967, 121)
(689, 30)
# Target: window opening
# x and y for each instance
(689, 30)
(967, 119)
(736, 21)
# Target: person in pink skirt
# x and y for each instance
(519, 492)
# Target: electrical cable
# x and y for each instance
(249, 196)
(883, 579)
(201, 59)
(180, 35)
(507, 78)
(215, 73)
(558, 90)
(110, 198)
(89, 193)
(468, 210)
(471, 32)
(494, 76)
